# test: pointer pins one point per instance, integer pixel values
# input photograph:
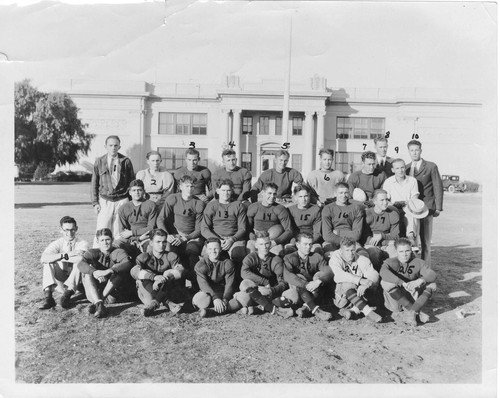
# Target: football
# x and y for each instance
(275, 231)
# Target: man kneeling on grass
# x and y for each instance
(59, 264)
(158, 276)
(408, 283)
(216, 279)
(262, 274)
(355, 278)
(104, 269)
(308, 275)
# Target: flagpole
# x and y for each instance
(286, 99)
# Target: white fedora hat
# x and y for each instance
(416, 208)
(359, 195)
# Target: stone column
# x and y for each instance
(236, 138)
(226, 131)
(320, 135)
(308, 151)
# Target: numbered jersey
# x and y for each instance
(224, 220)
(261, 218)
(346, 220)
(307, 220)
(323, 182)
(159, 183)
(351, 271)
(385, 223)
(394, 271)
(202, 179)
(181, 216)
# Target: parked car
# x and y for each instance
(453, 184)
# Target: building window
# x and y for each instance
(246, 160)
(182, 123)
(264, 125)
(360, 127)
(297, 125)
(279, 126)
(247, 125)
(348, 162)
(173, 158)
(297, 162)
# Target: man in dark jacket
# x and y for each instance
(430, 187)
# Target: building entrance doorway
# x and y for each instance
(267, 156)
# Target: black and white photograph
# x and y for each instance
(249, 198)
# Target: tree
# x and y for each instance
(48, 131)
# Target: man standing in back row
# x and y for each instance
(241, 177)
(202, 177)
(430, 187)
(111, 177)
(282, 176)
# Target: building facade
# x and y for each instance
(248, 117)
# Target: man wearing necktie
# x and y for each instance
(59, 261)
(111, 177)
(384, 162)
(430, 187)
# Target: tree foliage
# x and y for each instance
(47, 128)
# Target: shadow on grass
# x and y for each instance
(38, 205)
(117, 309)
(459, 270)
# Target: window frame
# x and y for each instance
(182, 123)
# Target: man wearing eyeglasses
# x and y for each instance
(58, 261)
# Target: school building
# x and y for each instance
(170, 117)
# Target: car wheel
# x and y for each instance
(464, 187)
(451, 188)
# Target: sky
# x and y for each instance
(355, 44)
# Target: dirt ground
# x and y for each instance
(69, 346)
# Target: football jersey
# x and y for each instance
(181, 216)
(346, 220)
(323, 182)
(241, 178)
(283, 180)
(261, 218)
(307, 220)
(202, 180)
(224, 220)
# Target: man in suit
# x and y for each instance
(384, 162)
(430, 187)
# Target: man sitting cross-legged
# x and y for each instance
(158, 277)
(355, 278)
(104, 269)
(408, 283)
(215, 278)
(226, 220)
(381, 229)
(262, 274)
(308, 275)
(181, 217)
(59, 261)
(267, 215)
